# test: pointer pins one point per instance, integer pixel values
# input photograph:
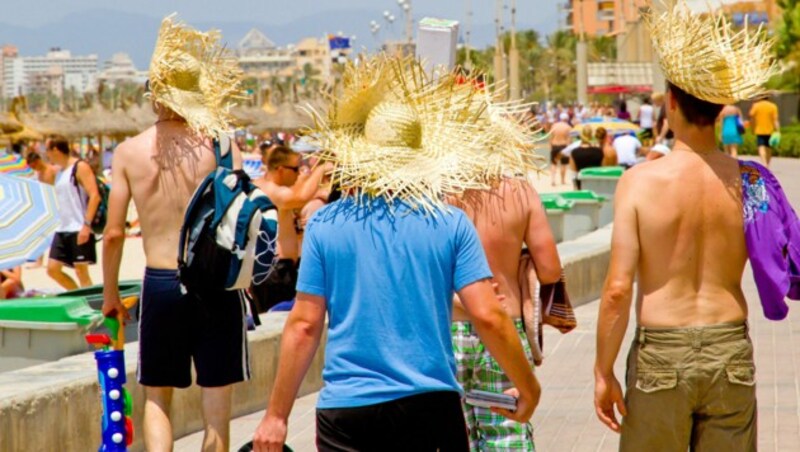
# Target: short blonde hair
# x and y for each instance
(587, 134)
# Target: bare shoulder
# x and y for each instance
(135, 145)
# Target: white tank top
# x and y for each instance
(71, 202)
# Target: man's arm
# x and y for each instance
(540, 241)
(498, 334)
(615, 303)
(86, 179)
(302, 191)
(301, 338)
(114, 234)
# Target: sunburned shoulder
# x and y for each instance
(135, 144)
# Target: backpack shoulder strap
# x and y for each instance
(222, 151)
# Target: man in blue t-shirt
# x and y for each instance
(386, 275)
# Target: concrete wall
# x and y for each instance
(55, 406)
(585, 262)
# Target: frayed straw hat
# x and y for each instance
(194, 76)
(703, 55)
(394, 133)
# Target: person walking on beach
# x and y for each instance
(78, 199)
(678, 226)
(289, 191)
(731, 130)
(559, 139)
(646, 123)
(160, 169)
(383, 263)
(506, 217)
(764, 117)
(45, 172)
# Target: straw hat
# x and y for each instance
(703, 55)
(193, 75)
(394, 133)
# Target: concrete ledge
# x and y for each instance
(56, 406)
(585, 262)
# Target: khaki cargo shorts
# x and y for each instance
(690, 388)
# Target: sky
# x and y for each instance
(33, 13)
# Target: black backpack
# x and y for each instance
(101, 215)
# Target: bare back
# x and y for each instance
(163, 166)
(559, 134)
(505, 217)
(692, 249)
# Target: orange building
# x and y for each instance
(611, 17)
(600, 17)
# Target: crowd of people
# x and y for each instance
(649, 138)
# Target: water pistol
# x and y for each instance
(117, 403)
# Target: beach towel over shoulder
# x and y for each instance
(229, 233)
(772, 235)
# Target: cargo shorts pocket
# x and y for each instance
(650, 381)
(741, 375)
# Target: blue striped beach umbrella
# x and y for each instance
(28, 219)
(254, 168)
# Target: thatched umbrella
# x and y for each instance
(142, 116)
(288, 117)
(249, 116)
(51, 123)
(9, 124)
(121, 124)
(26, 134)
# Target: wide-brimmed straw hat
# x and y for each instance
(704, 56)
(194, 76)
(393, 132)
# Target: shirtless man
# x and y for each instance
(160, 169)
(678, 225)
(505, 217)
(559, 139)
(45, 172)
(289, 191)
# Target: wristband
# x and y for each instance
(87, 223)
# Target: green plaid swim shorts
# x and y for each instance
(476, 369)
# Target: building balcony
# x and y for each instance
(567, 6)
(604, 16)
(605, 5)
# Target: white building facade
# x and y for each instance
(20, 74)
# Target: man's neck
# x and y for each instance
(700, 140)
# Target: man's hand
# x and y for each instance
(112, 306)
(607, 393)
(83, 235)
(270, 435)
(525, 405)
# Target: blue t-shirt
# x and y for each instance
(388, 275)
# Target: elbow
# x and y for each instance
(617, 294)
(490, 319)
(113, 236)
(305, 331)
(550, 275)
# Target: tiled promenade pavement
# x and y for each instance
(565, 419)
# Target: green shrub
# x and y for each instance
(789, 147)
